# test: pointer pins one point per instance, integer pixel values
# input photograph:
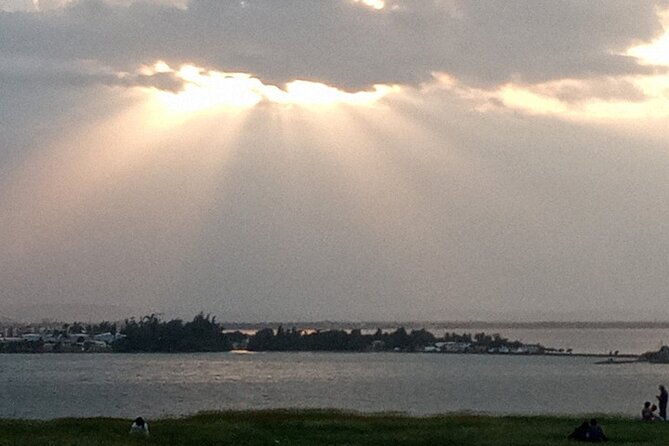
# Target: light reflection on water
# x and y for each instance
(121, 385)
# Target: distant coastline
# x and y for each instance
(436, 325)
(206, 334)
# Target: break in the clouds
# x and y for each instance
(343, 159)
(342, 43)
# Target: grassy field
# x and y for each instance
(272, 428)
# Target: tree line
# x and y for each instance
(205, 334)
(150, 334)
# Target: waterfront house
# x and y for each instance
(9, 340)
(108, 338)
(31, 337)
(456, 347)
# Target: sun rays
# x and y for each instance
(134, 159)
(161, 162)
(183, 142)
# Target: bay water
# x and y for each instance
(156, 385)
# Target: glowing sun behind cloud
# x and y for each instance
(210, 90)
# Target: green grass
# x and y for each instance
(314, 427)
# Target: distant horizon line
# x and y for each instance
(385, 324)
(462, 323)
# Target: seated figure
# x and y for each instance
(588, 432)
(595, 433)
(139, 426)
(580, 433)
(647, 413)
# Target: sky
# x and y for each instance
(300, 160)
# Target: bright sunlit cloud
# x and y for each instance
(627, 98)
(374, 4)
(527, 100)
(656, 52)
(211, 90)
(314, 93)
(206, 90)
(534, 100)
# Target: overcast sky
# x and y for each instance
(339, 159)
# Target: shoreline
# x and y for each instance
(624, 356)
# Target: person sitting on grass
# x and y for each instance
(647, 413)
(588, 432)
(595, 433)
(580, 433)
(139, 426)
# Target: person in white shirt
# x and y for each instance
(139, 426)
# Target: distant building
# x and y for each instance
(78, 338)
(454, 347)
(108, 338)
(31, 337)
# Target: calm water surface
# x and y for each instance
(120, 385)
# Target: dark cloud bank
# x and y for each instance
(344, 44)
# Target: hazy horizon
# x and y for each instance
(336, 160)
(97, 313)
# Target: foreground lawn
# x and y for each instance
(283, 427)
